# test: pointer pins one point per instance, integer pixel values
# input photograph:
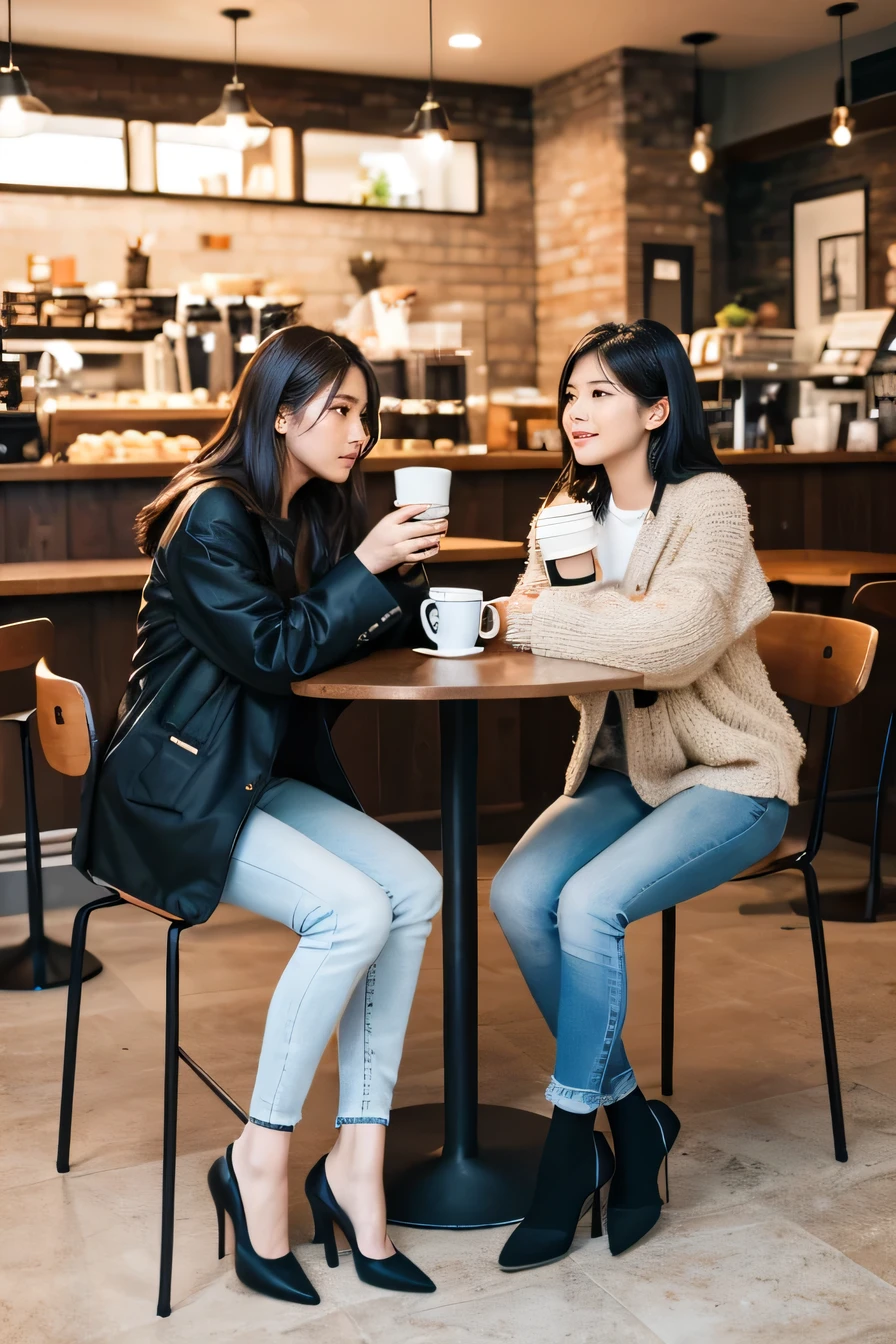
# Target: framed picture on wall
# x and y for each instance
(841, 273)
(829, 226)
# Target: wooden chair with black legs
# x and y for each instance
(65, 724)
(824, 662)
(39, 962)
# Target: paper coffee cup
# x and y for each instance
(430, 485)
(561, 545)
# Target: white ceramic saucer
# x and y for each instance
(450, 653)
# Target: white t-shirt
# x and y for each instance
(616, 537)
(617, 534)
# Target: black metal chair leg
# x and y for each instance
(169, 1137)
(72, 1022)
(667, 1044)
(825, 1012)
(33, 873)
(873, 894)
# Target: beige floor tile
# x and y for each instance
(764, 1227)
(742, 1276)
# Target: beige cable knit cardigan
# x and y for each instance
(684, 616)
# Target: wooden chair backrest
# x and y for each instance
(65, 727)
(63, 722)
(820, 660)
(24, 643)
(878, 599)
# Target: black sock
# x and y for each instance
(567, 1172)
(637, 1145)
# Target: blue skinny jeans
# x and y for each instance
(583, 871)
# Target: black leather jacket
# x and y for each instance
(208, 716)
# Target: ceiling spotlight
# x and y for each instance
(841, 122)
(244, 127)
(468, 41)
(431, 124)
(20, 112)
(701, 155)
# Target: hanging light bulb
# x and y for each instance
(841, 122)
(701, 155)
(244, 127)
(20, 112)
(431, 124)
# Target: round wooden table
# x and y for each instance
(461, 1164)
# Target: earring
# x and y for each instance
(280, 426)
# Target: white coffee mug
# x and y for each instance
(418, 485)
(454, 618)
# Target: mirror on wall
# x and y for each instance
(389, 172)
(183, 160)
(74, 152)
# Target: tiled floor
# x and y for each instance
(766, 1237)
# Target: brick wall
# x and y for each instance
(759, 204)
(488, 258)
(611, 173)
(579, 207)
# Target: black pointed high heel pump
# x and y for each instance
(627, 1225)
(282, 1277)
(531, 1244)
(396, 1271)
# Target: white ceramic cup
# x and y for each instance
(454, 618)
(416, 485)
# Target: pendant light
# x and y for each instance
(701, 155)
(20, 112)
(431, 124)
(244, 128)
(841, 122)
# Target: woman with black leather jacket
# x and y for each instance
(219, 784)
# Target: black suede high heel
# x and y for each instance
(396, 1271)
(282, 1277)
(627, 1224)
(534, 1243)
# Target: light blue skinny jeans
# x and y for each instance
(362, 901)
(583, 871)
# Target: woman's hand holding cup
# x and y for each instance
(401, 538)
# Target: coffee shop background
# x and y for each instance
(585, 182)
(578, 174)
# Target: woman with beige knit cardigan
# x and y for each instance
(670, 790)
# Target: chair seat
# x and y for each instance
(144, 905)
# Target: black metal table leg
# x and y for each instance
(461, 1164)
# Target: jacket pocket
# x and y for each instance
(199, 727)
(166, 778)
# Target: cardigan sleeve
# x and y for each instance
(686, 619)
(533, 579)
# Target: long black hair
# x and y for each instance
(289, 370)
(648, 360)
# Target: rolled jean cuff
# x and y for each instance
(582, 1102)
(360, 1120)
(267, 1124)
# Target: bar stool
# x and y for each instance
(39, 962)
(823, 661)
(65, 724)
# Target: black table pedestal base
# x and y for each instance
(426, 1188)
(48, 966)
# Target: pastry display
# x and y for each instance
(131, 445)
